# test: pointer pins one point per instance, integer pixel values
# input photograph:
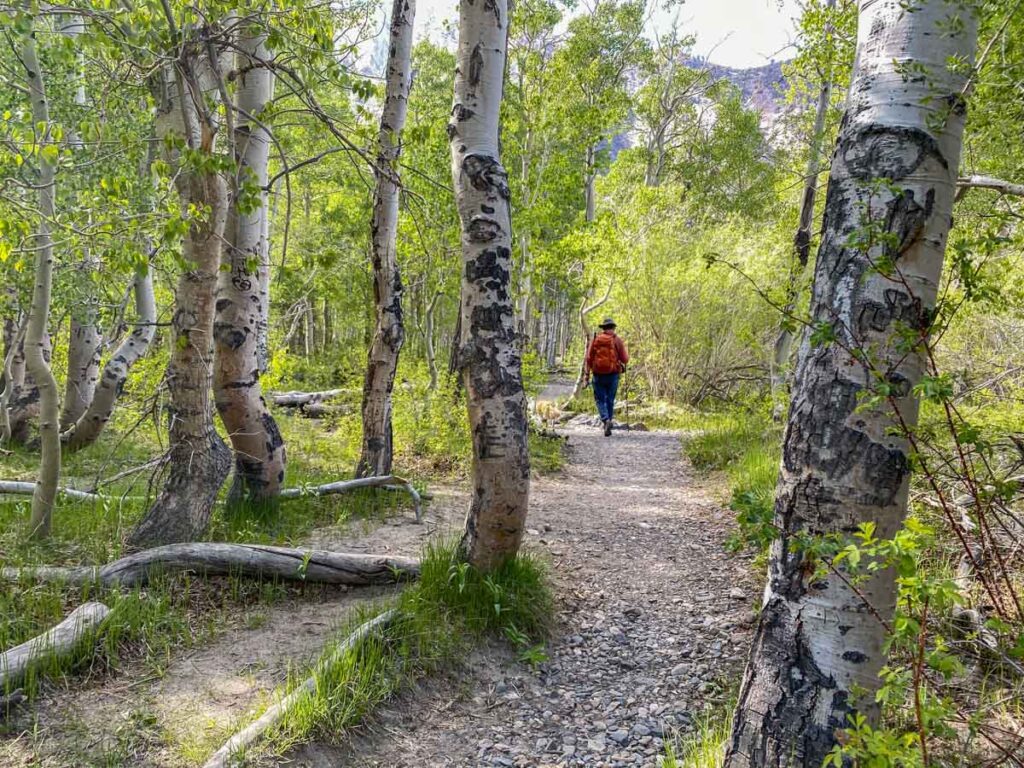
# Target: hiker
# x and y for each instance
(606, 360)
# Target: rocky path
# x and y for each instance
(653, 627)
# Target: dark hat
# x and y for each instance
(606, 323)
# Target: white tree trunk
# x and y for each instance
(488, 348)
(85, 340)
(387, 341)
(37, 334)
(817, 642)
(198, 461)
(589, 192)
(802, 240)
(241, 296)
(90, 425)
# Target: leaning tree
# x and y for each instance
(820, 640)
(488, 352)
(243, 289)
(36, 341)
(387, 341)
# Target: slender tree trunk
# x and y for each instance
(36, 336)
(268, 210)
(84, 339)
(241, 299)
(428, 340)
(818, 649)
(24, 401)
(587, 335)
(589, 193)
(84, 343)
(489, 353)
(90, 425)
(802, 240)
(198, 461)
(387, 342)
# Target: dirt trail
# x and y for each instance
(653, 615)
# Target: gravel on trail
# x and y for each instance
(655, 617)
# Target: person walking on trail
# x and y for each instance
(606, 361)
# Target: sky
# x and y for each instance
(735, 33)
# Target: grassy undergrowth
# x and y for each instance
(746, 446)
(705, 746)
(173, 612)
(438, 618)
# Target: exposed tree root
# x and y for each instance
(56, 642)
(236, 745)
(209, 558)
(28, 488)
(383, 481)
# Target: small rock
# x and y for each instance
(620, 737)
(737, 594)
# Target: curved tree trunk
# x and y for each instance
(36, 336)
(198, 461)
(84, 342)
(387, 341)
(818, 648)
(802, 240)
(12, 376)
(489, 352)
(581, 377)
(24, 401)
(241, 297)
(90, 425)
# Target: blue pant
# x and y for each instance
(605, 386)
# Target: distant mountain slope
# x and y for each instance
(763, 87)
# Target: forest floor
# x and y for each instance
(653, 623)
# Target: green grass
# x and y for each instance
(438, 617)
(705, 747)
(720, 439)
(752, 479)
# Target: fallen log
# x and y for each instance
(59, 641)
(382, 481)
(317, 410)
(296, 399)
(214, 559)
(228, 754)
(28, 488)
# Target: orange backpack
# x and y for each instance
(604, 358)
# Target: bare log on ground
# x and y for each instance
(296, 399)
(215, 559)
(59, 641)
(28, 488)
(237, 744)
(318, 410)
(385, 481)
